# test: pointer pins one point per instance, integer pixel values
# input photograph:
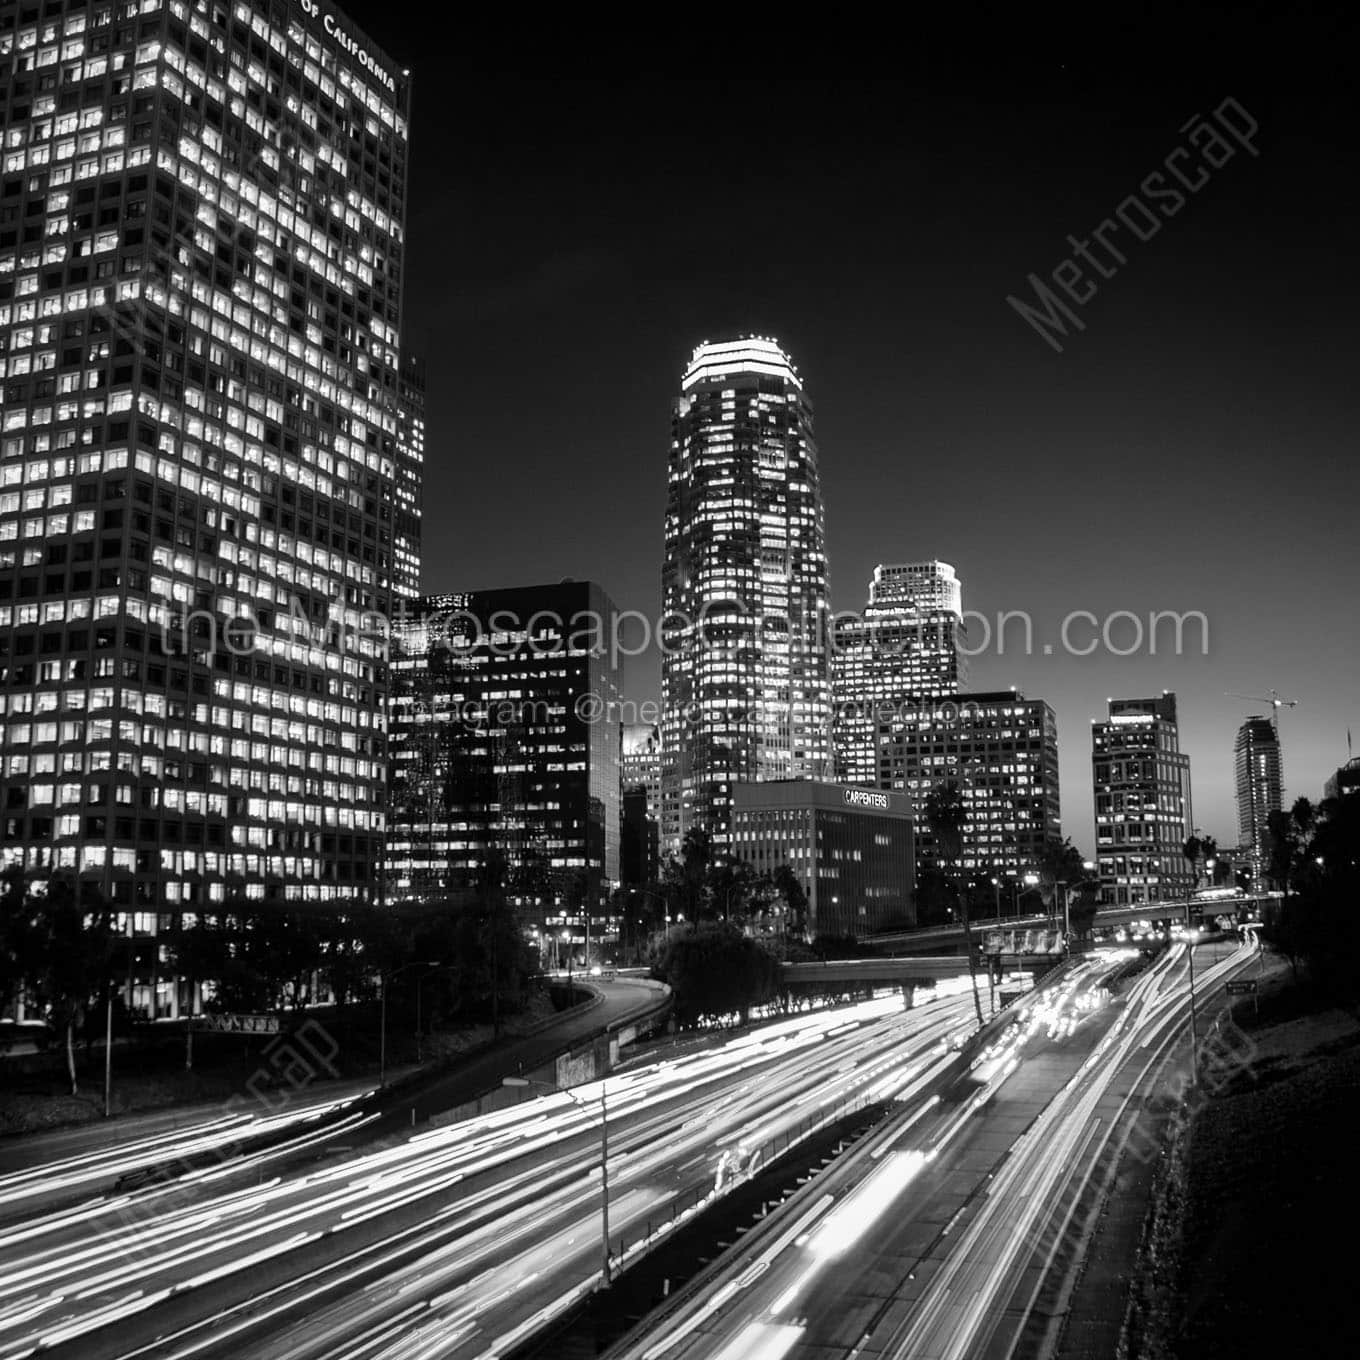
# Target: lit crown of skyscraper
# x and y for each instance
(748, 354)
(923, 585)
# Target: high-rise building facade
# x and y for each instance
(1142, 802)
(905, 646)
(745, 670)
(851, 849)
(1259, 776)
(505, 737)
(206, 493)
(1001, 751)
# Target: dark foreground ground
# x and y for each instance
(1261, 1201)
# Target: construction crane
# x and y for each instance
(1273, 699)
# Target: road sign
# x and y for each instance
(1242, 987)
(238, 1024)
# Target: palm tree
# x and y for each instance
(1192, 850)
(945, 815)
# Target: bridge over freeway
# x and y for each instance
(936, 938)
(881, 972)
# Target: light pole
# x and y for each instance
(1194, 1022)
(383, 980)
(420, 983)
(996, 883)
(606, 1275)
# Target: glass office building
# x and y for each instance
(505, 735)
(907, 644)
(745, 666)
(210, 456)
(1001, 751)
(1142, 802)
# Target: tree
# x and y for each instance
(715, 971)
(1194, 849)
(16, 927)
(686, 877)
(1060, 863)
(728, 889)
(1286, 841)
(498, 928)
(72, 949)
(945, 815)
(790, 889)
(288, 955)
(934, 896)
(1316, 925)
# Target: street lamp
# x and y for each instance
(383, 980)
(1194, 1023)
(996, 883)
(605, 1270)
(1031, 881)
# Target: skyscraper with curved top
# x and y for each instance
(745, 670)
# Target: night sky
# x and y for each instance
(1193, 448)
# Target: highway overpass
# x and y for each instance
(937, 938)
(879, 972)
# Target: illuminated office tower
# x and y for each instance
(745, 670)
(505, 737)
(1142, 802)
(1259, 775)
(201, 262)
(1001, 752)
(907, 644)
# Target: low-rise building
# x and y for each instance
(851, 848)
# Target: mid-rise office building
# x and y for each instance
(851, 849)
(906, 645)
(1142, 802)
(745, 670)
(209, 483)
(1259, 776)
(1345, 781)
(505, 735)
(1001, 751)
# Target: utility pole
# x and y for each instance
(1194, 1022)
(605, 1276)
(108, 1054)
(606, 1266)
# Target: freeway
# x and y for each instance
(937, 1236)
(455, 1241)
(271, 1123)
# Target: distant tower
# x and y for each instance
(905, 647)
(745, 671)
(1142, 802)
(1260, 790)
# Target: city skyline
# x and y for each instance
(890, 288)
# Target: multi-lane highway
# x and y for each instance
(457, 1241)
(936, 1236)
